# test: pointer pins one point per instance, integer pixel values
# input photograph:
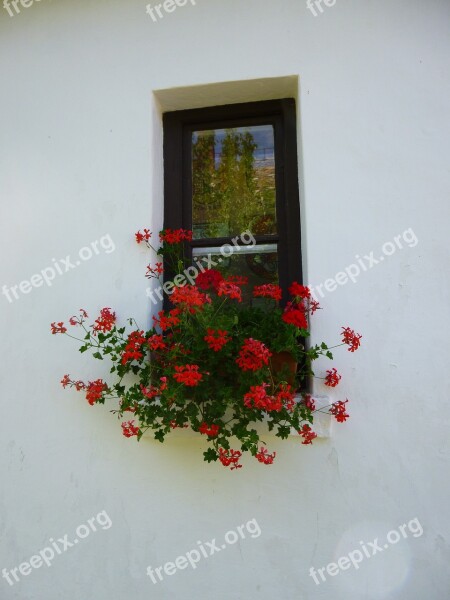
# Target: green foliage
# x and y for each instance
(209, 363)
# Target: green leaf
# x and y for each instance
(210, 455)
(97, 355)
(159, 435)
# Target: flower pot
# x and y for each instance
(284, 366)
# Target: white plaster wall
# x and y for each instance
(80, 158)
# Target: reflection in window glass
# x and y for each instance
(259, 267)
(233, 182)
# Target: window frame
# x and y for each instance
(178, 127)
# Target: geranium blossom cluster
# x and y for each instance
(156, 342)
(152, 391)
(78, 319)
(211, 359)
(351, 338)
(129, 429)
(209, 430)
(264, 457)
(155, 271)
(230, 458)
(338, 410)
(143, 237)
(307, 434)
(175, 236)
(105, 322)
(268, 290)
(208, 279)
(216, 339)
(188, 375)
(133, 348)
(232, 290)
(258, 398)
(253, 355)
(167, 321)
(332, 378)
(189, 297)
(94, 389)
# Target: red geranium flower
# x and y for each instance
(295, 316)
(237, 279)
(309, 402)
(264, 457)
(188, 375)
(141, 237)
(313, 306)
(94, 390)
(173, 425)
(226, 288)
(332, 378)
(155, 271)
(133, 348)
(216, 339)
(189, 296)
(300, 291)
(338, 411)
(65, 381)
(351, 338)
(253, 355)
(209, 430)
(287, 396)
(105, 321)
(149, 392)
(167, 321)
(230, 457)
(258, 398)
(175, 236)
(208, 279)
(308, 434)
(58, 328)
(78, 320)
(156, 342)
(268, 290)
(128, 429)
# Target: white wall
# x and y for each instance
(80, 158)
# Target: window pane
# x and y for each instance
(233, 182)
(258, 263)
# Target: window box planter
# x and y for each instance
(211, 356)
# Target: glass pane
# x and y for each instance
(259, 264)
(233, 182)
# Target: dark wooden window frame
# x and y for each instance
(178, 127)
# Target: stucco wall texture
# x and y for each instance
(84, 85)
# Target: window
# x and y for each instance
(231, 169)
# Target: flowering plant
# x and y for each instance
(208, 361)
